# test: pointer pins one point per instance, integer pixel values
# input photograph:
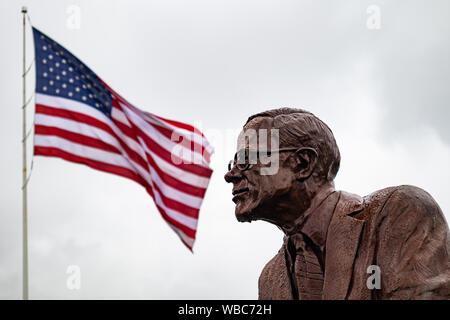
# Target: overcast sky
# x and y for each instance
(384, 92)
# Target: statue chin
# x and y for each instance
(243, 217)
(245, 213)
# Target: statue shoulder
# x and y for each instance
(414, 205)
(411, 231)
(402, 195)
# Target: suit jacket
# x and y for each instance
(399, 229)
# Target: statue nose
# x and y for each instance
(232, 175)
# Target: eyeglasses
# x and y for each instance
(244, 159)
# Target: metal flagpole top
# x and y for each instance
(24, 9)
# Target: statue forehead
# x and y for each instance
(256, 124)
(259, 123)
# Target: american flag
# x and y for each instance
(79, 118)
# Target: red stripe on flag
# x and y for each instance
(188, 231)
(76, 116)
(174, 182)
(188, 144)
(106, 167)
(75, 137)
(172, 158)
(80, 117)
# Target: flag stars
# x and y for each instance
(65, 76)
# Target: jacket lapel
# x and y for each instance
(286, 288)
(342, 244)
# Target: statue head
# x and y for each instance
(284, 158)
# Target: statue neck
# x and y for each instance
(303, 204)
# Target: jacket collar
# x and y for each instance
(315, 220)
(317, 223)
(341, 246)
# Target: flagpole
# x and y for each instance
(24, 171)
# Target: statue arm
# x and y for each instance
(413, 247)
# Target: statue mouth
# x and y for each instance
(238, 193)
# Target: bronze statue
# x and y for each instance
(391, 244)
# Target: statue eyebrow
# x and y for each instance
(266, 151)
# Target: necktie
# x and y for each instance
(308, 273)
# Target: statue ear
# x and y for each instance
(304, 161)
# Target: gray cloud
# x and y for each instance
(413, 68)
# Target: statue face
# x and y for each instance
(257, 194)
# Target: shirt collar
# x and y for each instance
(316, 219)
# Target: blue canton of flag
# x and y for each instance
(62, 74)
